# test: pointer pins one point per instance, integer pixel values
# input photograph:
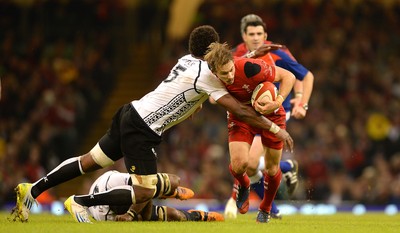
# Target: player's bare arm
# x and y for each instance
(302, 96)
(262, 50)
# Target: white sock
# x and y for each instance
(254, 179)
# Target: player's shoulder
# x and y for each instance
(188, 60)
(239, 50)
(241, 62)
(283, 54)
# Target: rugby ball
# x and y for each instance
(264, 90)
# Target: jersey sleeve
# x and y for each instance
(288, 62)
(209, 83)
(239, 50)
(215, 89)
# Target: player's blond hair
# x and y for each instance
(218, 55)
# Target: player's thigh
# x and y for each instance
(138, 144)
(256, 151)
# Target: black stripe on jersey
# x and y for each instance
(108, 179)
(198, 76)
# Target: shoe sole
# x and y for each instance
(22, 208)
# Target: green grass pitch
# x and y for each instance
(342, 222)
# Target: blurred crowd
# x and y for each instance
(55, 74)
(55, 71)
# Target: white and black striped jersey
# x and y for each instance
(187, 86)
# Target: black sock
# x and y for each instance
(66, 171)
(192, 216)
(115, 197)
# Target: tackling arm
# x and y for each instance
(250, 116)
(264, 49)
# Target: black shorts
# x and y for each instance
(131, 138)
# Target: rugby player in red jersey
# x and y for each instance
(254, 34)
(240, 76)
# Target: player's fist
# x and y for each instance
(264, 106)
(123, 218)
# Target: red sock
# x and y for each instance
(271, 185)
(243, 179)
(235, 189)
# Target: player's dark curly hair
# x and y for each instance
(200, 38)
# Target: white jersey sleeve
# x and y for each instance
(187, 86)
(106, 182)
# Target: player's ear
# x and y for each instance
(266, 36)
(244, 36)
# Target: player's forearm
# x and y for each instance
(251, 117)
(298, 89)
(287, 81)
(245, 113)
(308, 83)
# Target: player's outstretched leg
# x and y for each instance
(25, 201)
(77, 211)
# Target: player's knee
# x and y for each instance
(148, 182)
(252, 166)
(251, 170)
(272, 170)
(239, 166)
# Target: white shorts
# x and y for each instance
(106, 182)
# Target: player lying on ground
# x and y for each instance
(149, 212)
